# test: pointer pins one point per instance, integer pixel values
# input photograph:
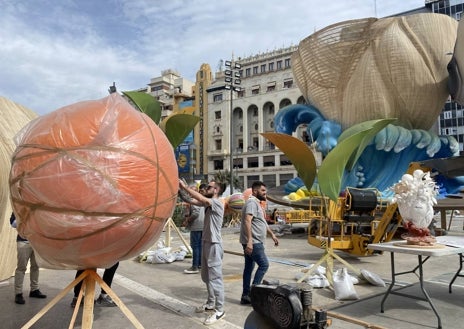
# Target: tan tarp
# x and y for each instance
(370, 68)
(12, 118)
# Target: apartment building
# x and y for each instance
(266, 85)
(451, 120)
(170, 89)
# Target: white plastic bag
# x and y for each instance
(343, 286)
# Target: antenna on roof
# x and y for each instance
(112, 89)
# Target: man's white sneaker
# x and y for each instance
(204, 308)
(216, 316)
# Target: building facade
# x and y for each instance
(451, 120)
(170, 89)
(267, 85)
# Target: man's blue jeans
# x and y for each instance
(195, 244)
(259, 257)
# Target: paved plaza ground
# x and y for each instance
(162, 296)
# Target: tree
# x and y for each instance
(224, 178)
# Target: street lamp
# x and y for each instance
(232, 80)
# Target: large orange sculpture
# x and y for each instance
(92, 183)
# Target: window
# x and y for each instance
(256, 127)
(255, 143)
(285, 178)
(287, 63)
(241, 93)
(255, 70)
(218, 164)
(255, 112)
(284, 161)
(270, 86)
(268, 161)
(269, 146)
(279, 65)
(217, 98)
(252, 178)
(255, 90)
(269, 180)
(218, 144)
(218, 130)
(447, 115)
(271, 66)
(217, 115)
(263, 68)
(288, 83)
(253, 162)
(238, 163)
(248, 72)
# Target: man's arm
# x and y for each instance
(249, 246)
(194, 214)
(273, 236)
(198, 198)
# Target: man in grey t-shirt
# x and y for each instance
(212, 250)
(194, 222)
(253, 230)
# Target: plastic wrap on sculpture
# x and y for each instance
(366, 69)
(92, 183)
(415, 195)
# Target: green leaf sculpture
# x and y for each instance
(146, 104)
(177, 127)
(350, 146)
(299, 154)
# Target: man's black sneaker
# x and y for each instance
(245, 300)
(19, 299)
(192, 270)
(37, 294)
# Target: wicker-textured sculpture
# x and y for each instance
(365, 69)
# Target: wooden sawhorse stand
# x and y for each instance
(89, 277)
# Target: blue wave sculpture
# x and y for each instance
(384, 161)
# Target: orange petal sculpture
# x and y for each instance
(92, 183)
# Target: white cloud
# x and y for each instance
(62, 52)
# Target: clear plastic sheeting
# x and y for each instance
(92, 183)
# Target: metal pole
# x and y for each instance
(231, 141)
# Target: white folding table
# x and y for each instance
(402, 248)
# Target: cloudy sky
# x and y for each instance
(58, 52)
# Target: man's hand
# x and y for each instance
(182, 184)
(276, 241)
(249, 248)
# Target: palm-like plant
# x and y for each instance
(223, 176)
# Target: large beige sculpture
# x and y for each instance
(13, 117)
(370, 68)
